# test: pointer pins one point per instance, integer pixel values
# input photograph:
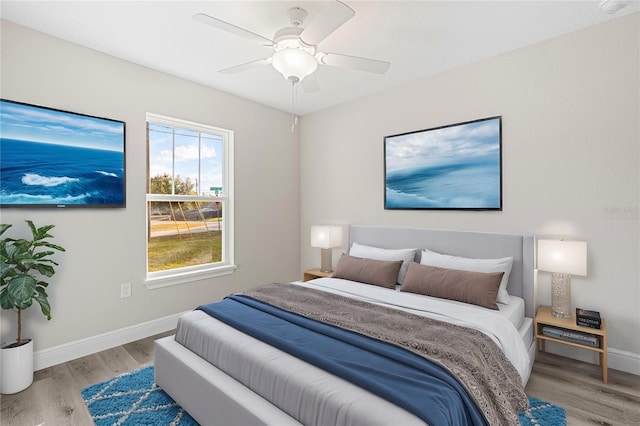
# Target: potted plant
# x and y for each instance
(23, 264)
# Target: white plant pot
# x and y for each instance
(16, 368)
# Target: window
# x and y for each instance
(189, 201)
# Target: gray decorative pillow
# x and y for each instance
(383, 273)
(477, 288)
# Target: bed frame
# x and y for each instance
(212, 397)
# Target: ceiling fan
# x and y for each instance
(296, 54)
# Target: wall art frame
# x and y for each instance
(54, 158)
(452, 167)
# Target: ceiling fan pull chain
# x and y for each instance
(294, 101)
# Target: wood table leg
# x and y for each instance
(603, 359)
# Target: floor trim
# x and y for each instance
(83, 347)
(617, 359)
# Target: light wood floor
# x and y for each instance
(54, 397)
(577, 387)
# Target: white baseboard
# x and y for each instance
(617, 359)
(83, 347)
(624, 361)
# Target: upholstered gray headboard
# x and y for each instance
(482, 245)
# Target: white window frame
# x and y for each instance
(227, 266)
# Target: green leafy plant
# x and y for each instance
(23, 263)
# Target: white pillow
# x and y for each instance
(504, 264)
(406, 255)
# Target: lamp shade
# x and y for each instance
(564, 257)
(326, 236)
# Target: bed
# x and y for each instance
(222, 376)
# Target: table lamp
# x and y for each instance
(326, 237)
(563, 259)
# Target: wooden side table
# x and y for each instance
(544, 317)
(311, 274)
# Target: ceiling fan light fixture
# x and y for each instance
(296, 55)
(294, 63)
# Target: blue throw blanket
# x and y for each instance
(402, 377)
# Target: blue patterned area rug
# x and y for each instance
(133, 399)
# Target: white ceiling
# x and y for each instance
(419, 38)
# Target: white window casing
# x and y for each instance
(227, 265)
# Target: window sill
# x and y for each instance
(187, 277)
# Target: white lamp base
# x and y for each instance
(325, 260)
(561, 295)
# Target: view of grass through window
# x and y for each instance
(176, 242)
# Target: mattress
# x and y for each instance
(314, 396)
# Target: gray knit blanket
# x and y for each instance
(469, 355)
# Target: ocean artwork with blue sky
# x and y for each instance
(59, 158)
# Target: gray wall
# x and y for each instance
(106, 247)
(570, 111)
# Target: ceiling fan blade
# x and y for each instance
(332, 16)
(354, 62)
(247, 66)
(230, 28)
(310, 84)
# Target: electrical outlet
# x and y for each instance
(125, 290)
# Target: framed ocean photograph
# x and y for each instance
(452, 167)
(55, 158)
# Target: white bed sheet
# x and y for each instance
(513, 311)
(526, 333)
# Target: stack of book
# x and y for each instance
(571, 336)
(587, 318)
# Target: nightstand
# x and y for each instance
(544, 317)
(311, 274)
